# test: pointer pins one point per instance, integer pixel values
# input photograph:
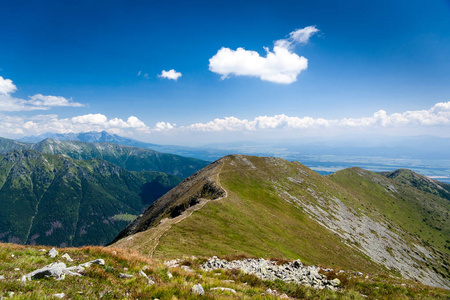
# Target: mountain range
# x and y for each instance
(56, 200)
(130, 158)
(269, 207)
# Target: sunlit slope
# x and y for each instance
(273, 208)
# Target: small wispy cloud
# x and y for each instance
(171, 74)
(35, 102)
(279, 66)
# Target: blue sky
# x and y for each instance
(69, 66)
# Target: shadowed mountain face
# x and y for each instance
(55, 200)
(130, 158)
(269, 207)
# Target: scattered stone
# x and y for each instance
(125, 276)
(57, 270)
(12, 255)
(284, 296)
(42, 250)
(142, 273)
(60, 296)
(16, 269)
(10, 294)
(224, 289)
(98, 261)
(187, 269)
(149, 280)
(335, 282)
(173, 263)
(198, 289)
(67, 257)
(24, 278)
(230, 281)
(114, 252)
(358, 274)
(53, 253)
(2, 277)
(293, 271)
(169, 275)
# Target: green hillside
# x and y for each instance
(55, 200)
(420, 182)
(268, 207)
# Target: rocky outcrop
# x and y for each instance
(293, 271)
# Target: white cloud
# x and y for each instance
(437, 117)
(39, 100)
(171, 74)
(279, 66)
(301, 36)
(7, 86)
(36, 102)
(163, 126)
(51, 123)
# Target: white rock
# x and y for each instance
(67, 257)
(187, 269)
(2, 277)
(16, 269)
(198, 289)
(60, 295)
(142, 273)
(98, 261)
(125, 276)
(223, 289)
(53, 252)
(169, 275)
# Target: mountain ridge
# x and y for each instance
(294, 207)
(128, 157)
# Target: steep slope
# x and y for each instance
(420, 182)
(268, 207)
(7, 145)
(129, 158)
(55, 200)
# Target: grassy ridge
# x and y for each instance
(354, 219)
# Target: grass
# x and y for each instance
(255, 221)
(104, 282)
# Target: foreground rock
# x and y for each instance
(198, 289)
(269, 270)
(59, 270)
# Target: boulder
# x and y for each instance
(53, 252)
(198, 289)
(57, 270)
